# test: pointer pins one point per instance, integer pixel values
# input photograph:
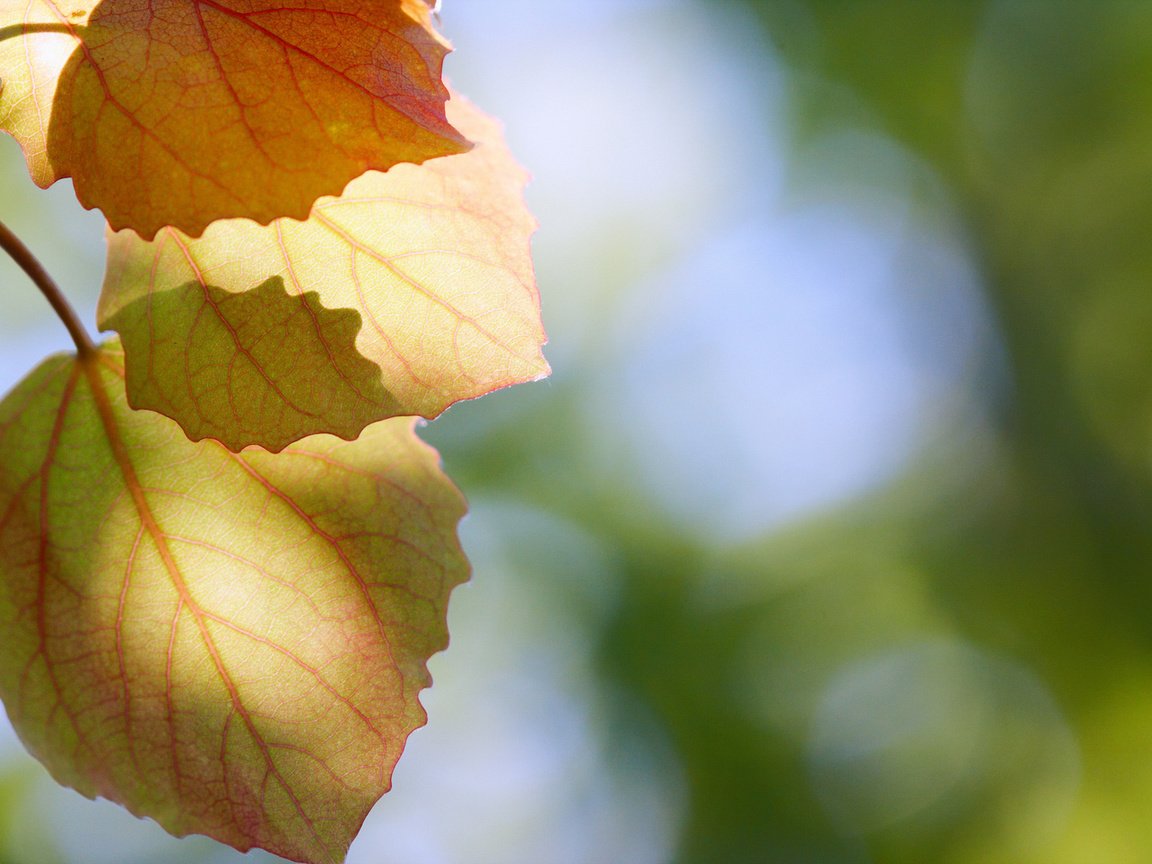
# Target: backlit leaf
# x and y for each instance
(180, 112)
(231, 644)
(297, 368)
(434, 259)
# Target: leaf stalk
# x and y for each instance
(28, 262)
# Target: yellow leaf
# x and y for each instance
(434, 260)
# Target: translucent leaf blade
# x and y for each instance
(434, 259)
(231, 644)
(181, 112)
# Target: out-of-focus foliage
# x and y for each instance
(956, 667)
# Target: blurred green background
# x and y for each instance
(830, 539)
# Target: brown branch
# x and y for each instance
(21, 254)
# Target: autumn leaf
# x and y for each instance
(231, 644)
(434, 259)
(297, 370)
(181, 112)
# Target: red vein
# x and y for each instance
(246, 18)
(312, 524)
(212, 547)
(279, 223)
(238, 343)
(303, 664)
(386, 261)
(145, 131)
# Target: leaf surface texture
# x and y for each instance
(432, 260)
(231, 644)
(181, 112)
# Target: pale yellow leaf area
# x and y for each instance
(434, 258)
(30, 67)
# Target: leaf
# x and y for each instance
(298, 368)
(181, 112)
(435, 259)
(231, 644)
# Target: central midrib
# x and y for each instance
(120, 454)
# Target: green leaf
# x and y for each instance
(434, 259)
(231, 644)
(292, 364)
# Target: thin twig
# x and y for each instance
(23, 256)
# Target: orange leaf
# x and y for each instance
(422, 294)
(181, 112)
(231, 644)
